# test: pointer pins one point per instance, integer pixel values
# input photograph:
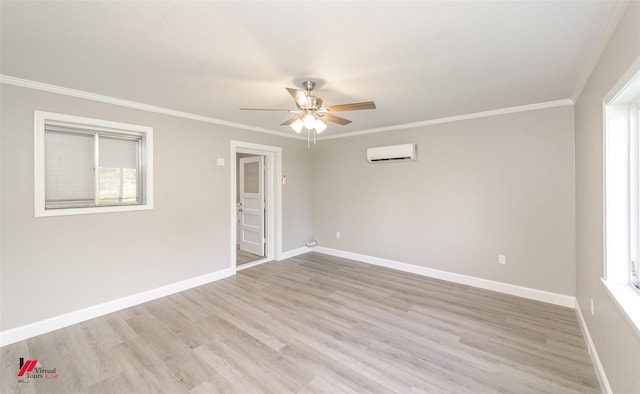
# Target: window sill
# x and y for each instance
(91, 210)
(627, 299)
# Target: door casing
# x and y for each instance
(273, 195)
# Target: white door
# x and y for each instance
(252, 205)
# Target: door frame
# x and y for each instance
(252, 204)
(273, 195)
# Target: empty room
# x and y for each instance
(320, 197)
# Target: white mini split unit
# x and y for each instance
(385, 154)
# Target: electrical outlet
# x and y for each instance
(338, 235)
(502, 259)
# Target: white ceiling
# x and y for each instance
(418, 61)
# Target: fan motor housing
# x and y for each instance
(312, 102)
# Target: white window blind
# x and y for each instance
(69, 174)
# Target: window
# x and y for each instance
(634, 192)
(87, 165)
(622, 195)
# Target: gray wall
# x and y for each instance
(481, 187)
(71, 262)
(616, 341)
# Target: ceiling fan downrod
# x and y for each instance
(308, 86)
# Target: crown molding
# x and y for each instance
(598, 48)
(457, 118)
(25, 83)
(9, 80)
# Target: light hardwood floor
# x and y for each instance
(243, 257)
(316, 324)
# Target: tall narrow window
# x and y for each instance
(622, 139)
(622, 194)
(634, 192)
(88, 166)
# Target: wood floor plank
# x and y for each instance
(316, 324)
(328, 369)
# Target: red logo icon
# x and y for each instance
(26, 367)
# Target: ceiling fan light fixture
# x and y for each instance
(320, 126)
(297, 125)
(310, 109)
(309, 121)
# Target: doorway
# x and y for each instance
(256, 204)
(251, 206)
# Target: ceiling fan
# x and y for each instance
(310, 113)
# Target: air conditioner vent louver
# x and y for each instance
(382, 154)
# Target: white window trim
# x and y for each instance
(627, 301)
(616, 283)
(39, 164)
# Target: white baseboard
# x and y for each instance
(501, 287)
(595, 359)
(294, 252)
(41, 327)
(30, 330)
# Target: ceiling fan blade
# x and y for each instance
(351, 107)
(288, 122)
(334, 119)
(299, 96)
(270, 109)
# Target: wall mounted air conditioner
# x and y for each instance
(382, 154)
